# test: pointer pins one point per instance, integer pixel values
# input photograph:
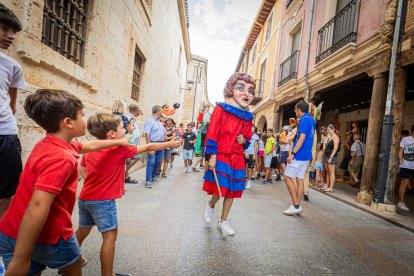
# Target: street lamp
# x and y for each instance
(189, 86)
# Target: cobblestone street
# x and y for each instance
(162, 232)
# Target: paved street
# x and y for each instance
(162, 232)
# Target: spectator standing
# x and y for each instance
(170, 135)
(319, 166)
(11, 78)
(357, 158)
(406, 158)
(134, 112)
(284, 147)
(251, 155)
(189, 140)
(333, 144)
(346, 158)
(154, 133)
(260, 152)
(268, 155)
(299, 157)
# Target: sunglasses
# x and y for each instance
(242, 87)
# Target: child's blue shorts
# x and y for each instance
(54, 256)
(102, 213)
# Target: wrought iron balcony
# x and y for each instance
(288, 3)
(289, 68)
(260, 84)
(338, 32)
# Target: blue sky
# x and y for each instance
(218, 29)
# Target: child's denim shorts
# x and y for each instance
(102, 213)
(54, 256)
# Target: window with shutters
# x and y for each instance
(137, 73)
(64, 27)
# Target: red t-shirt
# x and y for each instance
(52, 167)
(105, 173)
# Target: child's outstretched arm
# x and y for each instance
(158, 146)
(32, 223)
(95, 145)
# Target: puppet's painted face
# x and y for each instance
(242, 94)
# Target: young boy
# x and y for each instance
(268, 154)
(36, 231)
(104, 173)
(11, 78)
(189, 140)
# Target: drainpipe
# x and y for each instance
(312, 12)
(386, 136)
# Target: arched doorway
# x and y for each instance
(261, 124)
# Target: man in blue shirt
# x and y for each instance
(154, 132)
(299, 157)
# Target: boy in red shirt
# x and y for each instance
(104, 173)
(36, 231)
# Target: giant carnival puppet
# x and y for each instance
(228, 135)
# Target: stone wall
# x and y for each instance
(114, 30)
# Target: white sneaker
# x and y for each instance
(248, 184)
(402, 206)
(185, 170)
(208, 212)
(188, 168)
(225, 228)
(291, 211)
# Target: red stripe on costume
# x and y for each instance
(211, 188)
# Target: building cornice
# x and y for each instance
(184, 20)
(261, 17)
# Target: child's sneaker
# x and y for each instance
(269, 181)
(185, 170)
(264, 181)
(248, 184)
(208, 212)
(148, 184)
(278, 178)
(225, 228)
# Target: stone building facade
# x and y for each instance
(339, 52)
(136, 51)
(195, 91)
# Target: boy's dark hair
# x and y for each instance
(98, 125)
(9, 19)
(189, 125)
(303, 106)
(270, 129)
(49, 107)
(405, 132)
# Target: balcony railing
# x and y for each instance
(288, 3)
(260, 84)
(338, 32)
(289, 68)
